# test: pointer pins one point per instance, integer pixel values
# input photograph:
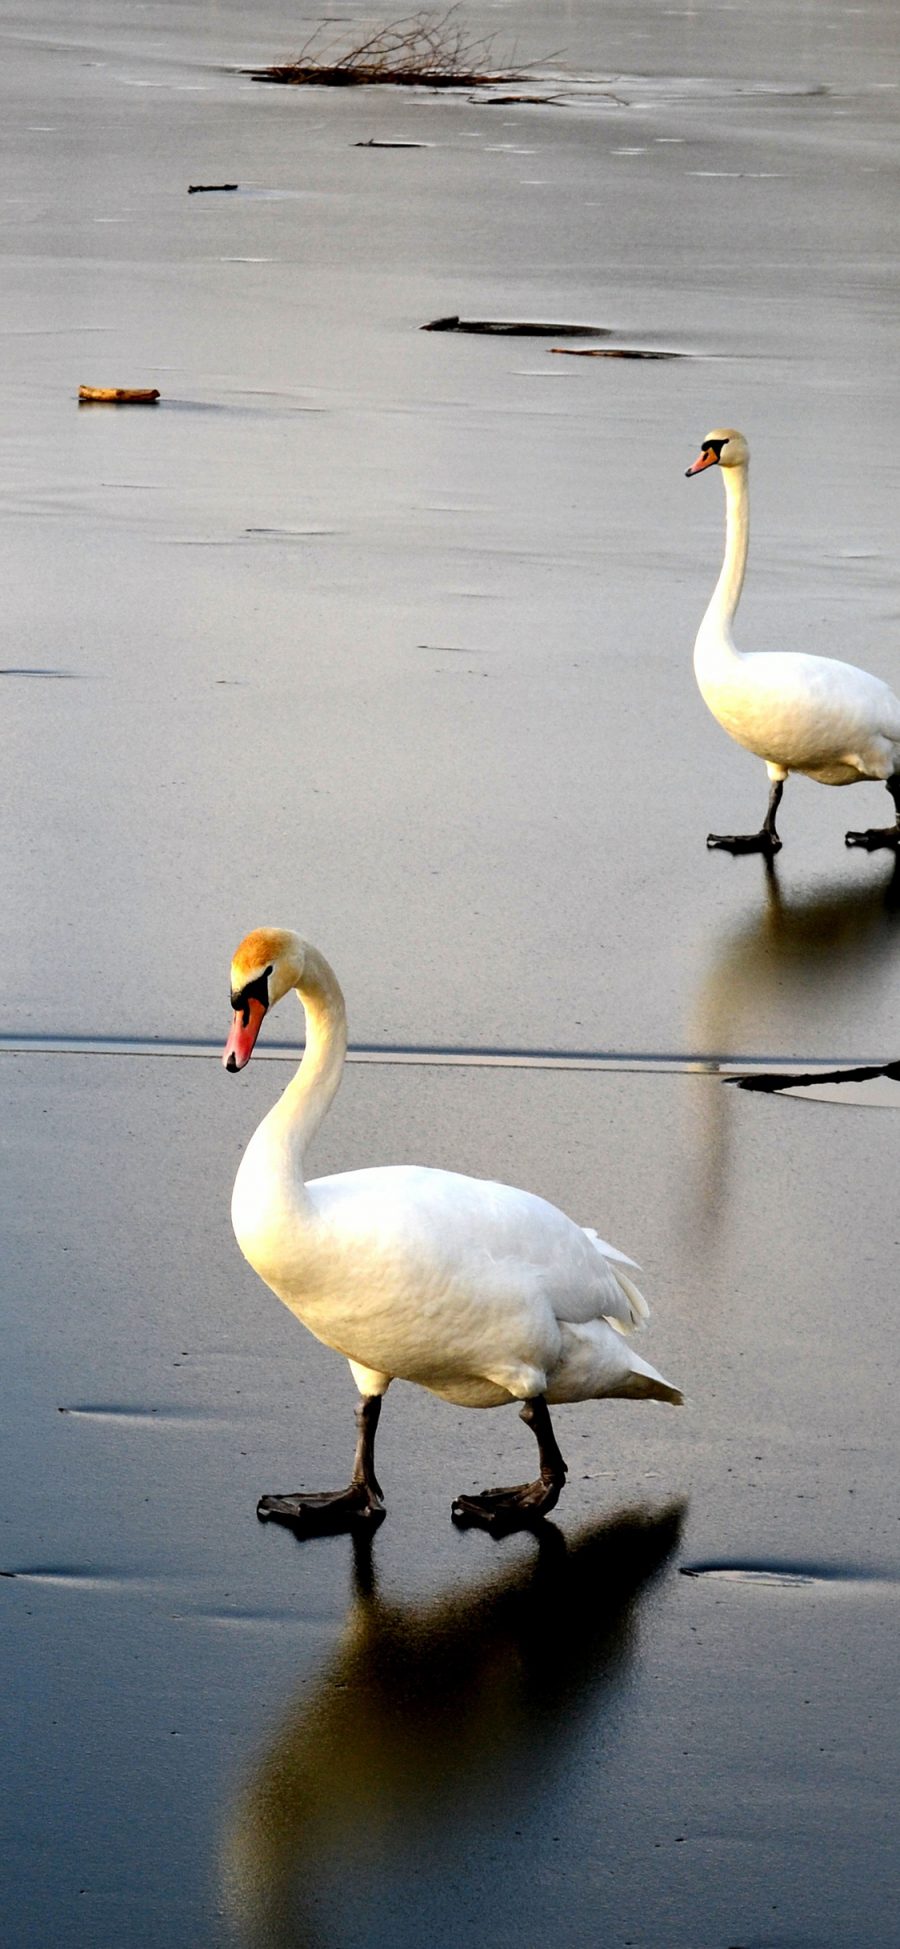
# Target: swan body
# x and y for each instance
(811, 714)
(479, 1292)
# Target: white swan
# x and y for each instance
(800, 713)
(478, 1292)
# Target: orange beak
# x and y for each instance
(242, 1037)
(708, 458)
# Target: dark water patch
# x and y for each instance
(871, 1086)
(241, 1619)
(65, 676)
(290, 534)
(52, 331)
(73, 1576)
(787, 1575)
(612, 352)
(515, 328)
(113, 1411)
(523, 101)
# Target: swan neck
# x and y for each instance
(307, 1098)
(727, 592)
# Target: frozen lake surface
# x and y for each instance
(386, 635)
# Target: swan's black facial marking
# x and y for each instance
(253, 991)
(714, 446)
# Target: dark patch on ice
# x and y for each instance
(515, 328)
(772, 1081)
(522, 101)
(59, 675)
(612, 352)
(290, 534)
(240, 1617)
(781, 1574)
(75, 1576)
(114, 1411)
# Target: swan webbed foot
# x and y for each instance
(745, 842)
(878, 837)
(326, 1514)
(875, 838)
(764, 841)
(358, 1507)
(501, 1511)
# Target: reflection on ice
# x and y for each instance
(434, 1722)
(798, 953)
(795, 958)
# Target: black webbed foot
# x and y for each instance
(358, 1507)
(501, 1511)
(745, 842)
(327, 1514)
(875, 838)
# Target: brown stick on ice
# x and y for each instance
(117, 395)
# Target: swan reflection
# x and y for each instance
(798, 955)
(439, 1729)
(775, 982)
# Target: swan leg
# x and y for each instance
(504, 1510)
(766, 840)
(361, 1504)
(880, 835)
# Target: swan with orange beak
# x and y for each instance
(480, 1293)
(799, 713)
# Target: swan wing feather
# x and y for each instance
(440, 1227)
(805, 709)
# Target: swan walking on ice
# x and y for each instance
(800, 713)
(476, 1291)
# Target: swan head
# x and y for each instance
(723, 447)
(267, 964)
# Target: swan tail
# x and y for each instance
(626, 1307)
(652, 1387)
(610, 1252)
(646, 1383)
(595, 1364)
(637, 1305)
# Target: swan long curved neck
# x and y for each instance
(727, 592)
(313, 1088)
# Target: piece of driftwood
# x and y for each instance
(374, 142)
(208, 189)
(516, 328)
(611, 352)
(117, 395)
